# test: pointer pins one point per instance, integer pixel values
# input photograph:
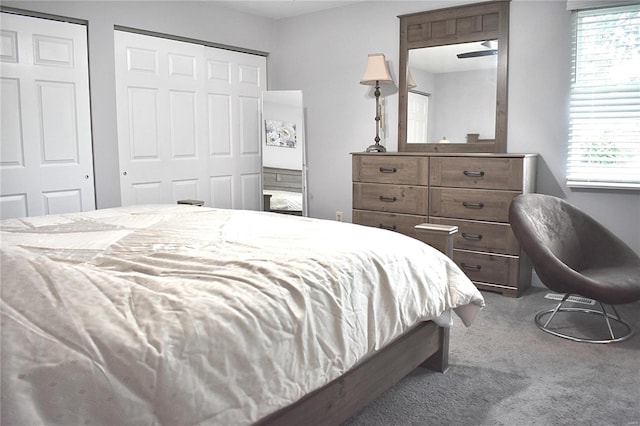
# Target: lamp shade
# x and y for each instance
(377, 70)
(411, 83)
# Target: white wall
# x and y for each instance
(460, 101)
(324, 54)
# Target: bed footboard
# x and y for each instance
(425, 345)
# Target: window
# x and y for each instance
(604, 127)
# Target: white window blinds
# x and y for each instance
(604, 128)
(595, 4)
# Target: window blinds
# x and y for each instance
(595, 4)
(604, 128)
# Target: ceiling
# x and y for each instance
(283, 8)
(443, 59)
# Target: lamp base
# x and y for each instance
(376, 148)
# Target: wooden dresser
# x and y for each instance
(397, 191)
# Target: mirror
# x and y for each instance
(453, 96)
(283, 152)
(453, 93)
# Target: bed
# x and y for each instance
(282, 190)
(191, 315)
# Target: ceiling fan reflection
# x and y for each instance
(491, 49)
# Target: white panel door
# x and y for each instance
(46, 161)
(171, 125)
(158, 84)
(417, 123)
(234, 88)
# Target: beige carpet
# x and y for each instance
(505, 371)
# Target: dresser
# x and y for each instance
(397, 191)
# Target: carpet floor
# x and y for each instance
(506, 371)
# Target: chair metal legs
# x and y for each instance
(607, 317)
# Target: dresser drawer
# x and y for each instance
(402, 223)
(488, 268)
(479, 204)
(482, 173)
(482, 236)
(391, 169)
(390, 198)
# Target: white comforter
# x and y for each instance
(181, 315)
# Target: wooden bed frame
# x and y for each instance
(427, 345)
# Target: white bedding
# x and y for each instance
(181, 315)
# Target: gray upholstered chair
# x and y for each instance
(573, 254)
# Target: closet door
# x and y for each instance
(46, 161)
(159, 110)
(235, 82)
(186, 122)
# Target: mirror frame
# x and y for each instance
(299, 118)
(460, 24)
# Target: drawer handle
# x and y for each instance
(472, 237)
(387, 227)
(469, 205)
(388, 170)
(473, 174)
(388, 199)
(470, 267)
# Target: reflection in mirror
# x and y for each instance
(417, 116)
(283, 152)
(454, 96)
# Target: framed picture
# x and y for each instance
(280, 133)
